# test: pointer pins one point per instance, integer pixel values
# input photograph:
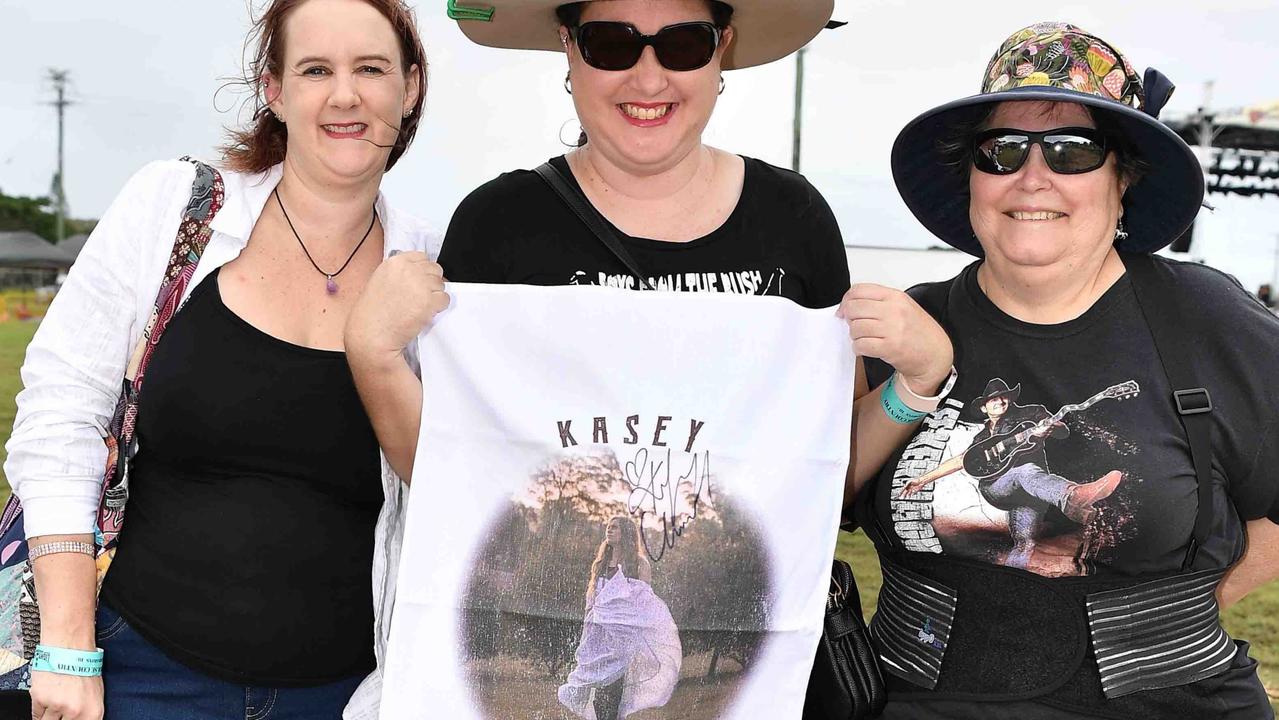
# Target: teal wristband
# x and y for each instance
(83, 663)
(894, 408)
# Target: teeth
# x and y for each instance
(640, 113)
(1040, 215)
(345, 129)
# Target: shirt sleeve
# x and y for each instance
(74, 366)
(829, 270)
(471, 250)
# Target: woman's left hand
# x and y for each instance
(889, 325)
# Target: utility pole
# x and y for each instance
(59, 80)
(799, 108)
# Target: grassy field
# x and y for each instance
(1256, 618)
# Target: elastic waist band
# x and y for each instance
(957, 629)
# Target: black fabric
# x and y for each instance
(1144, 526)
(781, 239)
(572, 196)
(254, 494)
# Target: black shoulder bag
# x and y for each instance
(845, 683)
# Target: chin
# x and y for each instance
(1033, 252)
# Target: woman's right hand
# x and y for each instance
(402, 296)
(65, 697)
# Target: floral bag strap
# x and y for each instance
(207, 194)
(16, 649)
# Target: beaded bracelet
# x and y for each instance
(62, 546)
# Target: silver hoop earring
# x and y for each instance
(568, 82)
(1120, 233)
(721, 84)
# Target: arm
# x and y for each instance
(401, 298)
(644, 571)
(888, 324)
(952, 465)
(1258, 566)
(72, 377)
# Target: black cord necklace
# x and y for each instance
(330, 286)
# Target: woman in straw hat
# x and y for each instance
(1054, 539)
(645, 77)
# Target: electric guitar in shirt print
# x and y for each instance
(997, 453)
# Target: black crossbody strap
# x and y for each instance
(592, 218)
(1161, 303)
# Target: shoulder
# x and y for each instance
(408, 232)
(513, 189)
(1217, 297)
(158, 182)
(785, 185)
(933, 296)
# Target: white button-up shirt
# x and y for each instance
(75, 363)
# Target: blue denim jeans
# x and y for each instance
(1030, 490)
(142, 683)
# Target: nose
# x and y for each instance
(344, 92)
(1035, 173)
(649, 76)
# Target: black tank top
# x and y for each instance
(253, 497)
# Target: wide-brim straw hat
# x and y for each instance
(1057, 62)
(763, 30)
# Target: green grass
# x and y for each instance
(14, 337)
(1255, 618)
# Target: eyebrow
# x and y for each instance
(362, 58)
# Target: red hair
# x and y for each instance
(261, 145)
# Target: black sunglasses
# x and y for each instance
(1068, 151)
(618, 45)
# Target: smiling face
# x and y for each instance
(342, 89)
(1036, 217)
(647, 118)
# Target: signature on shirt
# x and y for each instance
(655, 492)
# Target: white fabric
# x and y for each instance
(75, 363)
(504, 367)
(628, 634)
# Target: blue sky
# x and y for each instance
(146, 74)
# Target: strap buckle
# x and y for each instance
(1194, 401)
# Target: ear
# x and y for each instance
(566, 41)
(412, 88)
(726, 39)
(271, 91)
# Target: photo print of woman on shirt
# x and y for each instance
(629, 656)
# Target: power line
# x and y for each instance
(59, 79)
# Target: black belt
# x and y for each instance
(963, 630)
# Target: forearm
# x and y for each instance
(66, 586)
(1258, 566)
(392, 397)
(874, 438)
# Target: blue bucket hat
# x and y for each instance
(1058, 62)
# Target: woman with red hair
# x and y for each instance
(263, 519)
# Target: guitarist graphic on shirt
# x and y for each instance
(1010, 463)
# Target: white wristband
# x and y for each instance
(921, 403)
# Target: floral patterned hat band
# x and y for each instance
(1060, 55)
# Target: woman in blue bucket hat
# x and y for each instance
(1059, 536)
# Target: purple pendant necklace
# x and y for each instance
(330, 285)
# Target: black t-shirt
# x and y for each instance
(248, 547)
(781, 239)
(1018, 512)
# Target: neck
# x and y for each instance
(674, 180)
(1049, 294)
(327, 212)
